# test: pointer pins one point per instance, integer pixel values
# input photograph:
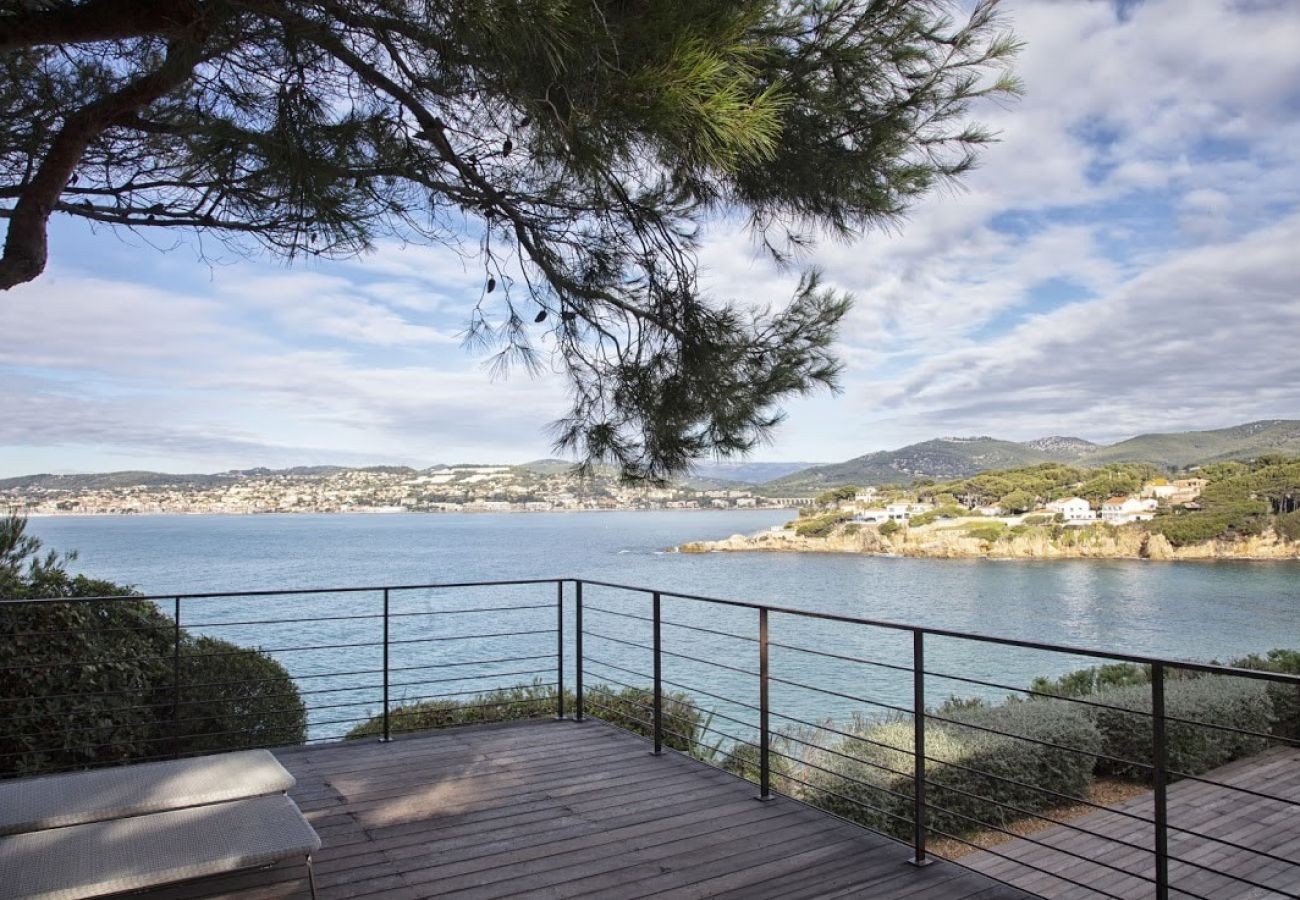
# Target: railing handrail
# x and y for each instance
(923, 809)
(276, 592)
(1047, 646)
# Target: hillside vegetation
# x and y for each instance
(1245, 510)
(947, 459)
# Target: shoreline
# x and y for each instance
(378, 512)
(1123, 545)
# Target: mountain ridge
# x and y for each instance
(950, 457)
(939, 458)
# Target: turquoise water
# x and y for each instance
(1181, 610)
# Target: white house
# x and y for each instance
(1161, 491)
(1122, 510)
(1073, 509)
(866, 495)
(905, 509)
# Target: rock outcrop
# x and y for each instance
(1035, 543)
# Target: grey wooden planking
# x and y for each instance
(1119, 862)
(565, 809)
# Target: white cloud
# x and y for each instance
(1173, 348)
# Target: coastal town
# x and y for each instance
(541, 487)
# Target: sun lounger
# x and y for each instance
(88, 834)
(52, 801)
(109, 857)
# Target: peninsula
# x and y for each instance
(1230, 510)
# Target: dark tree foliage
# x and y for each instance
(93, 683)
(572, 147)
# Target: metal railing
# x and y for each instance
(1122, 860)
(394, 661)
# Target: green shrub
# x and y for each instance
(1285, 697)
(522, 701)
(234, 698)
(954, 511)
(1287, 526)
(98, 681)
(821, 526)
(1226, 520)
(1083, 682)
(633, 709)
(851, 529)
(986, 531)
(924, 518)
(88, 695)
(1038, 520)
(889, 527)
(968, 773)
(743, 760)
(629, 708)
(1193, 749)
(106, 692)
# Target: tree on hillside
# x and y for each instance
(573, 147)
(835, 496)
(1018, 501)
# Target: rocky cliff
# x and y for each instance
(1036, 543)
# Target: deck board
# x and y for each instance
(566, 809)
(1199, 865)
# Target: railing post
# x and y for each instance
(1160, 775)
(659, 685)
(764, 733)
(577, 662)
(559, 648)
(176, 677)
(388, 735)
(918, 749)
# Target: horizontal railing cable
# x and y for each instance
(676, 684)
(1067, 649)
(740, 637)
(827, 691)
(1039, 742)
(840, 656)
(1047, 695)
(287, 592)
(391, 615)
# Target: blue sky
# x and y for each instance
(1126, 259)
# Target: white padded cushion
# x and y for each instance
(53, 801)
(144, 851)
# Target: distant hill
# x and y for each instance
(745, 472)
(1062, 448)
(944, 459)
(702, 475)
(111, 480)
(1190, 448)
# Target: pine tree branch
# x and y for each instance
(26, 244)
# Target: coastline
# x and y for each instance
(1121, 544)
(381, 512)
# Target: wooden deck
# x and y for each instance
(1271, 826)
(564, 809)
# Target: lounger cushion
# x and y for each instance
(130, 854)
(53, 801)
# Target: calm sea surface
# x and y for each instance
(1184, 610)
